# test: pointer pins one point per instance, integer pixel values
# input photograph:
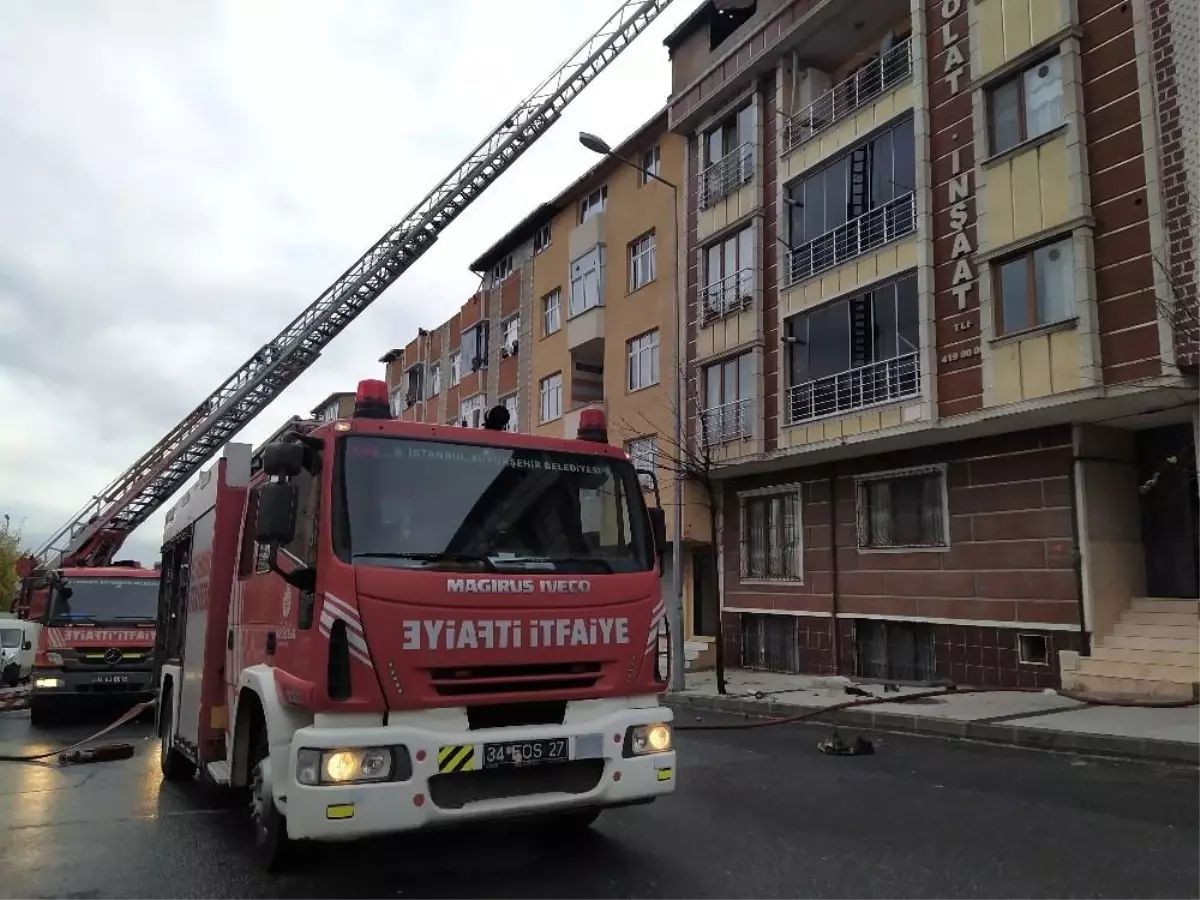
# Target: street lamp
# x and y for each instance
(675, 613)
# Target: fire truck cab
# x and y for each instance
(378, 626)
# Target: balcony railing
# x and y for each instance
(728, 422)
(872, 229)
(726, 175)
(731, 294)
(871, 385)
(877, 77)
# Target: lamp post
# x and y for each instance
(675, 611)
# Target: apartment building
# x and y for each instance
(338, 405)
(937, 339)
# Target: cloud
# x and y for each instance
(180, 180)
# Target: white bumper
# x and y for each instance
(597, 774)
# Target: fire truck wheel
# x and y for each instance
(271, 843)
(11, 675)
(175, 766)
(42, 713)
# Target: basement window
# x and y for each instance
(769, 643)
(1032, 650)
(895, 651)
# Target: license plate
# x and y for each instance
(526, 753)
(110, 679)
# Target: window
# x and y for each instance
(511, 332)
(643, 360)
(902, 510)
(725, 20)
(1027, 105)
(471, 411)
(651, 163)
(728, 156)
(771, 535)
(541, 238)
(397, 403)
(729, 267)
(857, 202)
(435, 379)
(854, 352)
(643, 452)
(330, 412)
(550, 391)
(593, 204)
(502, 269)
(587, 281)
(512, 404)
(552, 312)
(728, 393)
(642, 262)
(415, 382)
(1035, 288)
(475, 345)
(455, 367)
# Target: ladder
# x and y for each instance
(94, 535)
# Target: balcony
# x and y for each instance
(731, 294)
(882, 225)
(732, 421)
(880, 75)
(876, 384)
(727, 175)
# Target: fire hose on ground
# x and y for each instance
(76, 753)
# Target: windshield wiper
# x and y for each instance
(432, 557)
(603, 564)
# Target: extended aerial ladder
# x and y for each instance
(95, 534)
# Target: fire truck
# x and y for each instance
(378, 626)
(96, 640)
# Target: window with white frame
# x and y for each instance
(729, 267)
(512, 404)
(455, 367)
(397, 401)
(727, 156)
(435, 379)
(541, 238)
(643, 453)
(510, 332)
(1035, 287)
(502, 269)
(728, 399)
(330, 413)
(770, 538)
(552, 312)
(651, 163)
(1027, 105)
(471, 410)
(550, 392)
(643, 263)
(593, 204)
(643, 360)
(902, 510)
(587, 281)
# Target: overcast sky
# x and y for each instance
(178, 180)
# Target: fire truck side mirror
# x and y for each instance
(277, 503)
(28, 645)
(283, 459)
(658, 526)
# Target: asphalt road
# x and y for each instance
(759, 813)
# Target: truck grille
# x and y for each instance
(456, 790)
(96, 656)
(465, 680)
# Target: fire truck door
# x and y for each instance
(196, 628)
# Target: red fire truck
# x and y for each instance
(378, 626)
(97, 637)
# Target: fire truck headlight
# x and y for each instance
(47, 682)
(54, 659)
(645, 739)
(314, 767)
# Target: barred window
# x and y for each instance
(771, 536)
(902, 510)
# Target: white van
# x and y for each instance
(16, 651)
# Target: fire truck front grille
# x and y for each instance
(95, 656)
(466, 680)
(456, 790)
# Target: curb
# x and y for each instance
(1149, 749)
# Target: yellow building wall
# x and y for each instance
(844, 426)
(837, 138)
(1007, 28)
(851, 276)
(729, 209)
(1037, 367)
(732, 331)
(1026, 194)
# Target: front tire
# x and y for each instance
(272, 846)
(175, 766)
(42, 713)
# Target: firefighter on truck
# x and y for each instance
(376, 626)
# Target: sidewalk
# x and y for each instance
(1043, 721)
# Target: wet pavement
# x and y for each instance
(759, 813)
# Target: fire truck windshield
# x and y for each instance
(105, 600)
(423, 504)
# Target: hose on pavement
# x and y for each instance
(73, 755)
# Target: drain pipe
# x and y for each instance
(1085, 642)
(835, 630)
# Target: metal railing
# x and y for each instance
(728, 422)
(871, 230)
(880, 75)
(834, 395)
(733, 293)
(726, 175)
